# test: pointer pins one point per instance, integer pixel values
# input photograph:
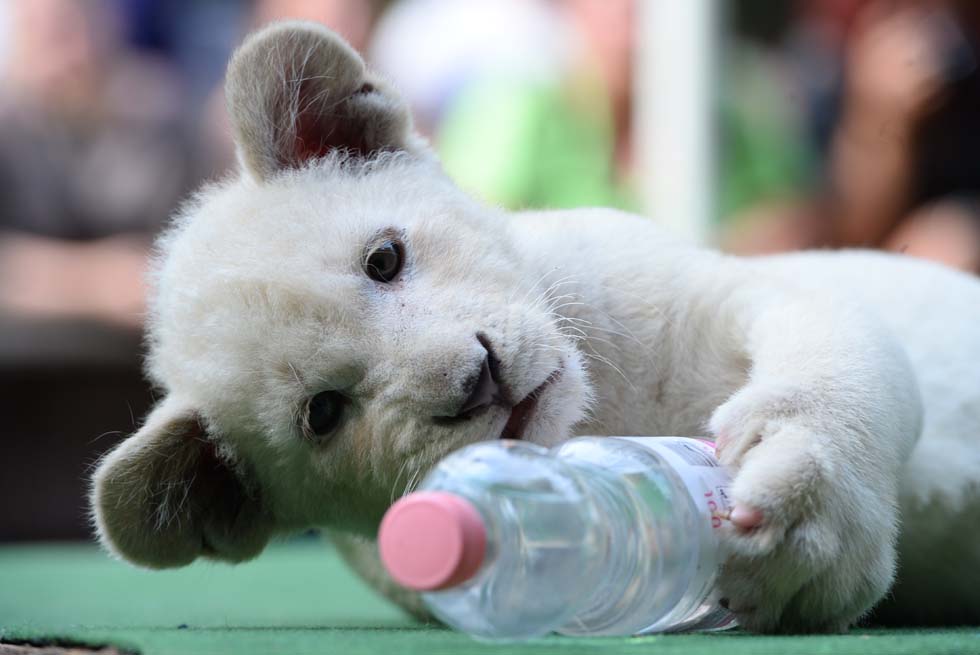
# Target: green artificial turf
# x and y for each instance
(299, 598)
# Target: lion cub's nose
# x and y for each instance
(484, 390)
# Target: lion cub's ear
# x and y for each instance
(296, 91)
(166, 495)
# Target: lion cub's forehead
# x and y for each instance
(281, 222)
(309, 226)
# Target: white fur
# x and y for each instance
(841, 386)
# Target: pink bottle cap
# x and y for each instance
(432, 540)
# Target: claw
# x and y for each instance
(746, 518)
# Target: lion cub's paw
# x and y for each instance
(810, 547)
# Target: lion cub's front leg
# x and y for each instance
(816, 438)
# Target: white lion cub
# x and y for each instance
(339, 316)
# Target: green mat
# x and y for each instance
(299, 598)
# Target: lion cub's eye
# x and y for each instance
(324, 411)
(385, 262)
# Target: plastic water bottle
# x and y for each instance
(598, 536)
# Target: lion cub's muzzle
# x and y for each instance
(483, 388)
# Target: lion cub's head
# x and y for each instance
(327, 325)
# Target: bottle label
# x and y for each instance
(709, 484)
(695, 463)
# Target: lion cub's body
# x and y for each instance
(841, 387)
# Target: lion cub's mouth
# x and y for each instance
(520, 414)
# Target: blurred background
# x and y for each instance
(758, 127)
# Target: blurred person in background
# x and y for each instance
(905, 161)
(528, 101)
(891, 93)
(92, 161)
